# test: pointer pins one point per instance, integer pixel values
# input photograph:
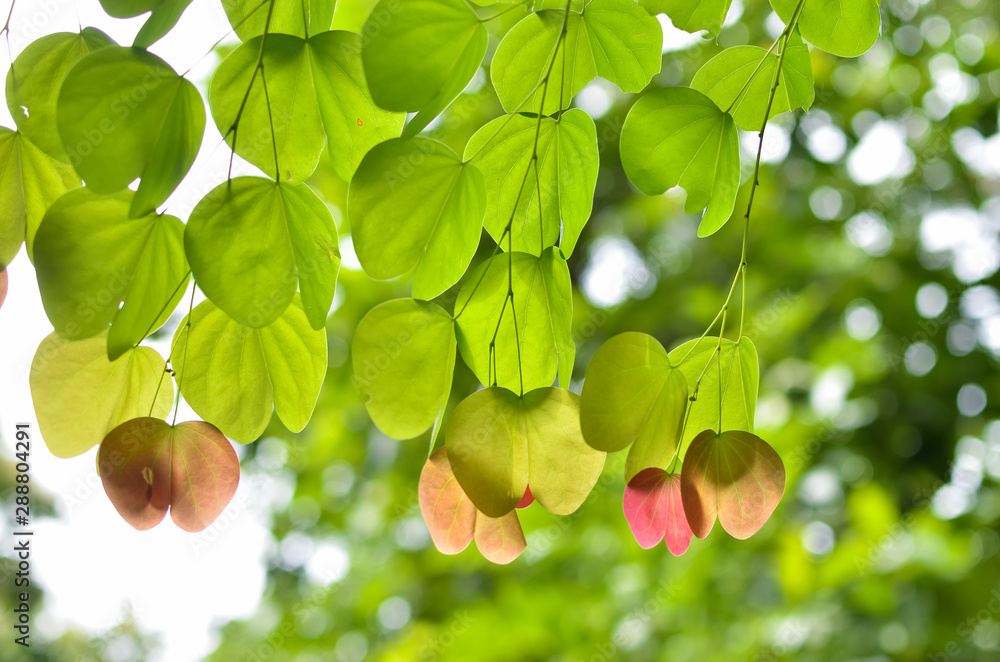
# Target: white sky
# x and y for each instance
(92, 565)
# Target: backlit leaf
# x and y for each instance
(736, 476)
(124, 113)
(231, 374)
(160, 22)
(30, 181)
(633, 395)
(739, 81)
(129, 8)
(678, 136)
(731, 377)
(615, 39)
(301, 18)
(148, 466)
(35, 78)
(691, 16)
(501, 539)
(450, 515)
(654, 510)
(96, 266)
(498, 441)
(251, 239)
(421, 54)
(566, 171)
(312, 86)
(543, 306)
(847, 28)
(80, 396)
(415, 204)
(404, 360)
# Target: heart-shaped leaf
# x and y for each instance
(732, 378)
(30, 181)
(399, 345)
(563, 178)
(80, 396)
(35, 78)
(543, 306)
(736, 476)
(428, 217)
(678, 136)
(148, 466)
(615, 39)
(739, 81)
(312, 85)
(96, 266)
(497, 441)
(633, 395)
(654, 510)
(251, 239)
(124, 113)
(231, 374)
(847, 28)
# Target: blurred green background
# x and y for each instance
(872, 303)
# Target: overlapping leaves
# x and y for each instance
(124, 113)
(303, 88)
(525, 341)
(250, 240)
(232, 374)
(615, 39)
(414, 204)
(499, 442)
(134, 286)
(559, 174)
(454, 521)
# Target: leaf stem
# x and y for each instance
(187, 343)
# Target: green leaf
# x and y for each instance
(30, 181)
(250, 239)
(732, 376)
(129, 8)
(311, 86)
(80, 396)
(615, 39)
(278, 119)
(234, 373)
(736, 476)
(567, 168)
(419, 55)
(160, 22)
(678, 136)
(633, 395)
(98, 266)
(415, 204)
(124, 113)
(691, 16)
(35, 78)
(353, 123)
(147, 466)
(847, 28)
(300, 18)
(449, 514)
(498, 442)
(739, 81)
(543, 304)
(404, 360)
